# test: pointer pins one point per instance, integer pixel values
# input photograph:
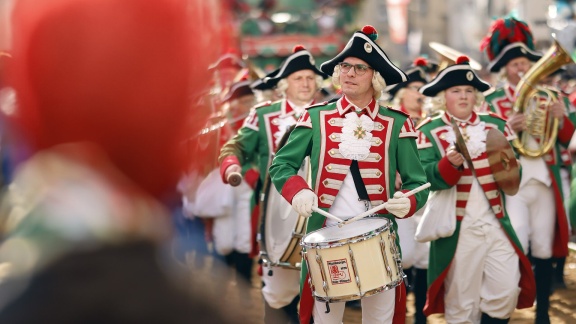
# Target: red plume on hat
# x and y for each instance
(298, 48)
(371, 32)
(420, 61)
(505, 31)
(462, 59)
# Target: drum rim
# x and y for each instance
(389, 286)
(351, 240)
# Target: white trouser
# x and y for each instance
(233, 231)
(406, 231)
(483, 276)
(532, 212)
(280, 289)
(414, 253)
(376, 309)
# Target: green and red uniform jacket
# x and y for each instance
(433, 143)
(318, 134)
(501, 102)
(254, 144)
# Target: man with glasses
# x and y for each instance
(356, 148)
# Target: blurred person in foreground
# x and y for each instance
(103, 90)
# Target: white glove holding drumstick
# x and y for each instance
(304, 201)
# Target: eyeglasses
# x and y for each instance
(359, 69)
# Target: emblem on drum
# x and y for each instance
(339, 273)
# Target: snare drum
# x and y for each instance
(356, 260)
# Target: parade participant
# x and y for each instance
(225, 69)
(405, 95)
(231, 230)
(537, 211)
(409, 100)
(297, 79)
(353, 136)
(479, 274)
(105, 139)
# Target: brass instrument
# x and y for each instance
(448, 56)
(533, 102)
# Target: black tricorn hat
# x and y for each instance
(300, 59)
(416, 73)
(455, 75)
(510, 52)
(362, 45)
(508, 38)
(237, 90)
(261, 84)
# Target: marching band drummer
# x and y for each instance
(409, 100)
(355, 147)
(479, 273)
(537, 211)
(298, 79)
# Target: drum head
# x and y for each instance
(280, 222)
(361, 227)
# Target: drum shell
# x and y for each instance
(371, 258)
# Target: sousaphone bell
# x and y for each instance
(448, 56)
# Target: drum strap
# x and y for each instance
(358, 183)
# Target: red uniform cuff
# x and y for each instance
(449, 173)
(292, 186)
(412, 204)
(228, 161)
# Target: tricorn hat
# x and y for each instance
(237, 90)
(455, 75)
(261, 85)
(301, 59)
(362, 45)
(508, 39)
(229, 59)
(416, 73)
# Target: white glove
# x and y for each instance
(398, 205)
(303, 202)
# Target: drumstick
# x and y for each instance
(234, 179)
(326, 214)
(380, 207)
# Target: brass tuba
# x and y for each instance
(533, 102)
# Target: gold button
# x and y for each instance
(329, 167)
(378, 173)
(325, 182)
(322, 198)
(333, 136)
(378, 158)
(380, 189)
(380, 126)
(378, 141)
(331, 152)
(332, 121)
(497, 209)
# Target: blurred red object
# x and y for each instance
(118, 73)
